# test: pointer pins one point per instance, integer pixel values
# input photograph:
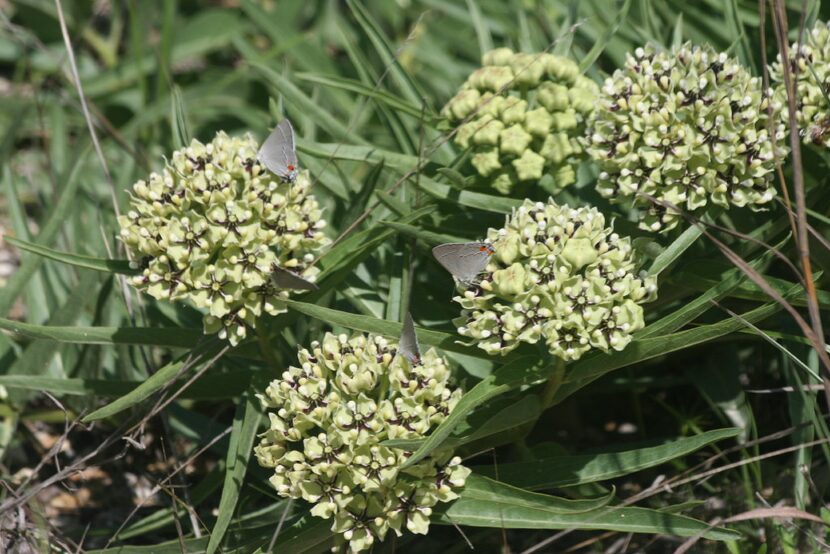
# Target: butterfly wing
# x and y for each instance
(289, 148)
(284, 279)
(277, 153)
(408, 343)
(463, 260)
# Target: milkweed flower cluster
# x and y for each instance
(211, 227)
(560, 275)
(687, 128)
(328, 418)
(523, 116)
(811, 68)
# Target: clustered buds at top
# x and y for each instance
(328, 418)
(523, 116)
(812, 75)
(560, 275)
(683, 129)
(211, 227)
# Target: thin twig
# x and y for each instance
(77, 78)
(790, 75)
(164, 481)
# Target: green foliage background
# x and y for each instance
(363, 84)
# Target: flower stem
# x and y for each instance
(554, 383)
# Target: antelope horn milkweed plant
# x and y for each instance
(540, 276)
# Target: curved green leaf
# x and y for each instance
(428, 237)
(486, 202)
(155, 382)
(391, 329)
(306, 105)
(356, 153)
(565, 471)
(499, 420)
(507, 514)
(484, 489)
(523, 371)
(590, 368)
(352, 85)
(244, 432)
(78, 260)
(149, 336)
(223, 385)
(675, 250)
(384, 50)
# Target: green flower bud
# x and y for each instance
(212, 225)
(811, 72)
(327, 419)
(529, 165)
(508, 110)
(681, 130)
(558, 275)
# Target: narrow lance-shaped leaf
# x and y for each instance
(566, 471)
(244, 431)
(78, 260)
(523, 371)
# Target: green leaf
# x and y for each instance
(178, 119)
(485, 41)
(482, 488)
(506, 513)
(207, 31)
(352, 85)
(675, 250)
(149, 336)
(356, 153)
(306, 105)
(209, 387)
(480, 201)
(384, 50)
(347, 253)
(391, 329)
(602, 43)
(428, 237)
(525, 410)
(155, 382)
(78, 260)
(523, 371)
(686, 313)
(39, 357)
(566, 471)
(244, 432)
(308, 534)
(593, 367)
(58, 214)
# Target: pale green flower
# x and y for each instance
(558, 275)
(210, 227)
(508, 110)
(327, 419)
(812, 78)
(686, 128)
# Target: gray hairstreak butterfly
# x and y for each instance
(408, 344)
(465, 260)
(284, 279)
(277, 153)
